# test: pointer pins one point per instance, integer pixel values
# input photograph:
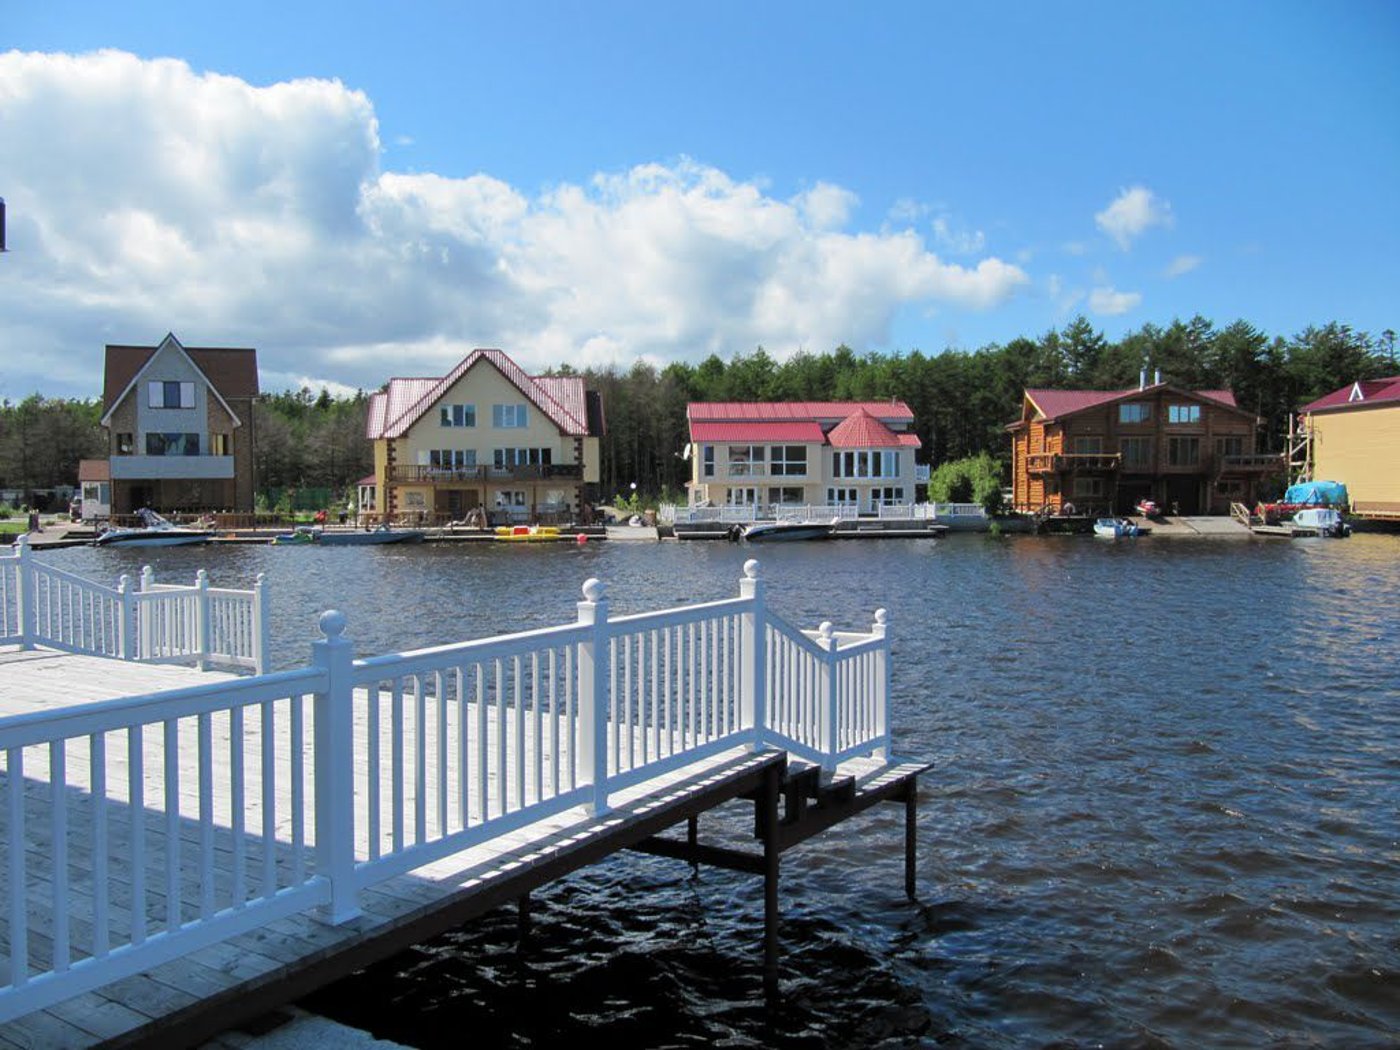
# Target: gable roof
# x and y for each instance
(231, 372)
(403, 402)
(1056, 404)
(1358, 395)
(887, 411)
(862, 430)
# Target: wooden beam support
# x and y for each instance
(697, 854)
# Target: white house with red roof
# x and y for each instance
(1354, 437)
(767, 453)
(1102, 451)
(485, 436)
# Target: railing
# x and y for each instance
(1056, 462)
(268, 805)
(1248, 464)
(160, 623)
(958, 510)
(480, 474)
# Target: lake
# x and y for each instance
(1165, 809)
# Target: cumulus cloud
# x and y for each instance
(1110, 302)
(241, 215)
(1183, 264)
(958, 242)
(1131, 213)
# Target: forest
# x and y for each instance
(962, 400)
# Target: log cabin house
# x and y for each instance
(1102, 451)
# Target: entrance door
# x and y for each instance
(1184, 495)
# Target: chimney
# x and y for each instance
(1142, 378)
(1157, 377)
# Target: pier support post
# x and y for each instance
(692, 840)
(772, 792)
(753, 685)
(911, 825)
(333, 748)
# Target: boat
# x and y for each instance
(1320, 521)
(527, 533)
(1114, 528)
(299, 535)
(1148, 508)
(368, 537)
(154, 531)
(784, 531)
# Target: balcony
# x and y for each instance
(175, 468)
(1263, 463)
(1073, 462)
(484, 475)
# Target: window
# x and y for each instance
(162, 393)
(459, 415)
(785, 495)
(741, 497)
(415, 499)
(510, 498)
(888, 496)
(452, 458)
(1137, 452)
(1183, 413)
(707, 459)
(505, 458)
(837, 496)
(220, 445)
(1088, 488)
(507, 417)
(1091, 445)
(172, 444)
(1232, 445)
(876, 464)
(1183, 451)
(747, 460)
(1234, 488)
(789, 461)
(1134, 412)
(126, 444)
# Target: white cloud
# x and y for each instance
(1183, 264)
(958, 242)
(241, 215)
(1110, 302)
(1132, 212)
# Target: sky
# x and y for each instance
(364, 190)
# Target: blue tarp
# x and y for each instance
(1317, 493)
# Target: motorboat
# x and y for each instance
(154, 531)
(784, 531)
(368, 537)
(1322, 521)
(1115, 528)
(302, 534)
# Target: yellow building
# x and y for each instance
(1354, 437)
(485, 436)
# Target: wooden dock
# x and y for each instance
(200, 848)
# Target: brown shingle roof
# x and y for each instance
(232, 371)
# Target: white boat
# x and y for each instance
(783, 531)
(1114, 528)
(155, 532)
(1322, 521)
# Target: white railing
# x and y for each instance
(400, 759)
(958, 510)
(159, 623)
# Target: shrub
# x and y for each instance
(973, 480)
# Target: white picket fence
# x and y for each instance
(276, 793)
(41, 604)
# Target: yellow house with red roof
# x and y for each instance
(486, 436)
(857, 454)
(1103, 451)
(1354, 437)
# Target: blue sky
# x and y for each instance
(362, 190)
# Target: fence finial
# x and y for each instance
(751, 568)
(881, 616)
(332, 623)
(22, 540)
(825, 630)
(593, 589)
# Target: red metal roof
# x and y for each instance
(748, 431)
(733, 411)
(862, 430)
(1056, 403)
(1358, 395)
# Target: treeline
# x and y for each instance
(962, 400)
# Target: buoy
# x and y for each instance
(582, 539)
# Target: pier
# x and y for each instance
(199, 847)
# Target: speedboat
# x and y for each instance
(368, 537)
(154, 531)
(1324, 521)
(1113, 528)
(783, 531)
(302, 534)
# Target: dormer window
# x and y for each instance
(165, 393)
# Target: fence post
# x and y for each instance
(829, 697)
(149, 614)
(753, 637)
(260, 625)
(593, 684)
(202, 627)
(882, 707)
(126, 597)
(333, 751)
(26, 611)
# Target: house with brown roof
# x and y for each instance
(762, 454)
(179, 424)
(485, 436)
(1102, 451)
(1353, 436)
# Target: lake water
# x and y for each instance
(1165, 809)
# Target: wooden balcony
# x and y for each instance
(1073, 462)
(485, 475)
(1263, 463)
